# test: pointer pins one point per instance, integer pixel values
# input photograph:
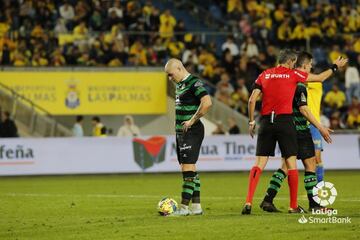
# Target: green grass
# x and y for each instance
(124, 207)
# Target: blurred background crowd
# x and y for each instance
(118, 33)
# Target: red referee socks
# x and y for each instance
(253, 181)
(293, 181)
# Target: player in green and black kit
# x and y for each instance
(306, 150)
(191, 103)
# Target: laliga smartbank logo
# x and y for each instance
(149, 152)
(324, 193)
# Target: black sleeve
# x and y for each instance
(199, 89)
(256, 86)
(300, 96)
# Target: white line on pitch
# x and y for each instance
(142, 196)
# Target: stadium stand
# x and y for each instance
(120, 33)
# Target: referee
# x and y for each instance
(277, 86)
(191, 103)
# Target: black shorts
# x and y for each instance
(282, 131)
(188, 144)
(306, 147)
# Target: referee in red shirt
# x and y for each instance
(277, 86)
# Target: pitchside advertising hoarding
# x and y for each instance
(70, 93)
(24, 156)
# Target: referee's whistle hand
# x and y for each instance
(252, 130)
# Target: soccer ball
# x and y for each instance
(166, 206)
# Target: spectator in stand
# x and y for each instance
(249, 48)
(335, 121)
(117, 8)
(128, 129)
(353, 119)
(78, 130)
(8, 127)
(352, 82)
(167, 24)
(98, 127)
(233, 127)
(240, 96)
(67, 12)
(335, 99)
(229, 44)
(225, 84)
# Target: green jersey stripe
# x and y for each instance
(200, 90)
(187, 107)
(183, 117)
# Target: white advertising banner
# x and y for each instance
(24, 156)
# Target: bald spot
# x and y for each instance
(173, 63)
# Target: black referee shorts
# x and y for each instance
(282, 131)
(188, 144)
(306, 147)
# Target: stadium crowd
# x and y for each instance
(136, 33)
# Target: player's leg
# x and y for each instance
(265, 147)
(316, 136)
(276, 181)
(307, 154)
(319, 166)
(287, 137)
(188, 174)
(197, 138)
(310, 180)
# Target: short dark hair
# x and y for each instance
(302, 58)
(96, 119)
(79, 118)
(286, 55)
(7, 114)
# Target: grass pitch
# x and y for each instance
(124, 207)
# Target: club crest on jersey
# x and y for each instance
(198, 84)
(303, 97)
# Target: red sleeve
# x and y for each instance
(259, 80)
(300, 76)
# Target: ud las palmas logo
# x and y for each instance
(72, 96)
(324, 193)
(149, 152)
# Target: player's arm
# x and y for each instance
(325, 132)
(339, 62)
(205, 104)
(251, 106)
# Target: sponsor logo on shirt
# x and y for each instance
(275, 75)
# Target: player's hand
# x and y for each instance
(340, 61)
(252, 129)
(325, 133)
(187, 125)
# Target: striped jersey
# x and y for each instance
(300, 99)
(188, 94)
(315, 92)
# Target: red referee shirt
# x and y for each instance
(278, 86)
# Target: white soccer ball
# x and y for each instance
(166, 206)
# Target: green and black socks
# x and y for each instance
(310, 181)
(188, 187)
(275, 183)
(196, 193)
